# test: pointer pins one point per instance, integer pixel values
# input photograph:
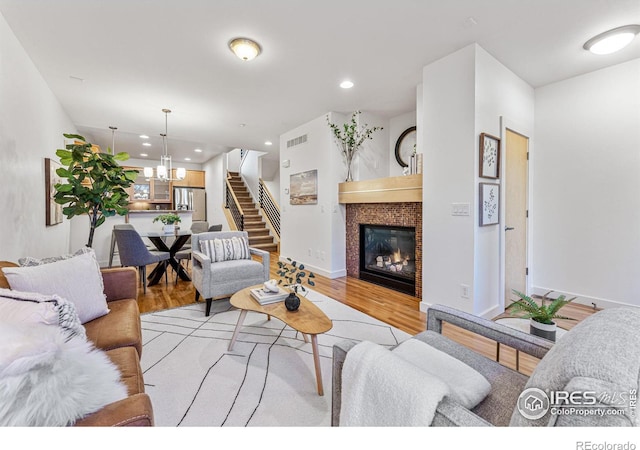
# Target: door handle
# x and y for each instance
(509, 228)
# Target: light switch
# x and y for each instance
(460, 209)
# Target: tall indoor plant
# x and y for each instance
(350, 138)
(95, 184)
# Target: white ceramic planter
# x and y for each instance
(169, 228)
(543, 330)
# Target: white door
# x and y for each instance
(516, 176)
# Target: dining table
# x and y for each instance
(159, 239)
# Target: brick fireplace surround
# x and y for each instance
(400, 214)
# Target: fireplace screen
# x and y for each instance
(387, 256)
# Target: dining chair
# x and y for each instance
(200, 226)
(133, 252)
(112, 251)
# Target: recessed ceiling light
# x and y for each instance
(245, 48)
(144, 136)
(613, 40)
(198, 150)
(346, 84)
(268, 143)
(187, 159)
(146, 144)
(143, 154)
(242, 125)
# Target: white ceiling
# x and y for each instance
(120, 62)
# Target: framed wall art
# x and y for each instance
(53, 210)
(303, 188)
(489, 156)
(489, 204)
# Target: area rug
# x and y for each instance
(267, 380)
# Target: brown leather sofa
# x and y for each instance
(119, 334)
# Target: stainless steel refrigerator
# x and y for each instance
(191, 199)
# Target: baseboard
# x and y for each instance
(319, 271)
(490, 313)
(601, 303)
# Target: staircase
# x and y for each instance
(254, 225)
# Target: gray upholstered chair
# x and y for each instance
(133, 252)
(112, 248)
(217, 280)
(601, 354)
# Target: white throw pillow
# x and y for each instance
(77, 279)
(30, 308)
(49, 379)
(226, 249)
(467, 386)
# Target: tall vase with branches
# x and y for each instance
(350, 137)
(95, 183)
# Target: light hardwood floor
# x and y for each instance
(397, 309)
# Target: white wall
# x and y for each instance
(233, 160)
(314, 234)
(371, 160)
(271, 177)
(397, 125)
(215, 182)
(586, 203)
(32, 122)
(251, 171)
(499, 94)
(448, 124)
(463, 94)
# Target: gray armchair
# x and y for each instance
(600, 354)
(217, 280)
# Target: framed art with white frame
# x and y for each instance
(489, 204)
(489, 156)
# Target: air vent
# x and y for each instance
(297, 141)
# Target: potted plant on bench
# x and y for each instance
(541, 314)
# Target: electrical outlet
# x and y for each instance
(309, 252)
(464, 291)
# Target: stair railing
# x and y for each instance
(270, 209)
(232, 203)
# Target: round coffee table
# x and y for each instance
(308, 319)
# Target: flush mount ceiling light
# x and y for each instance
(613, 40)
(244, 48)
(346, 84)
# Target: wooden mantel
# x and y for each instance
(401, 189)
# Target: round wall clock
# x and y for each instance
(405, 146)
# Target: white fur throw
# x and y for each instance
(50, 379)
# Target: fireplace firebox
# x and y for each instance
(387, 256)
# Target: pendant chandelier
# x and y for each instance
(164, 170)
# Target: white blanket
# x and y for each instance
(381, 389)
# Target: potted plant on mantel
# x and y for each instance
(95, 183)
(540, 315)
(293, 275)
(169, 220)
(350, 138)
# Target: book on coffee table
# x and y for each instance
(265, 297)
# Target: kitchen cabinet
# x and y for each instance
(149, 190)
(193, 178)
